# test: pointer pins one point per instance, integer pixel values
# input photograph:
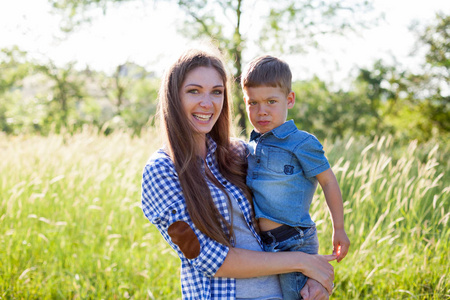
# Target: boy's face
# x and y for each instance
(267, 106)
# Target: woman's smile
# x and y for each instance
(203, 117)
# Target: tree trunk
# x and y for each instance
(238, 64)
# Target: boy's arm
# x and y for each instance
(333, 196)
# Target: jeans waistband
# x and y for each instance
(280, 233)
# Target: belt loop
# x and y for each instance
(300, 231)
(272, 237)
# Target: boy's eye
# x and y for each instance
(272, 101)
(251, 103)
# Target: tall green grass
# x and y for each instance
(71, 226)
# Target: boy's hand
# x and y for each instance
(313, 290)
(341, 244)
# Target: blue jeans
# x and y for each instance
(286, 238)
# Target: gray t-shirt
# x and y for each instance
(256, 288)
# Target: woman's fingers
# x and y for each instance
(329, 257)
(326, 271)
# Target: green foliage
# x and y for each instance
(43, 97)
(133, 92)
(436, 80)
(71, 225)
(437, 38)
(13, 66)
(293, 24)
(64, 94)
(413, 105)
(13, 69)
(331, 114)
(46, 98)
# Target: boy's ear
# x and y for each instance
(290, 100)
(245, 97)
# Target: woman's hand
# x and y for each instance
(313, 290)
(318, 267)
(242, 263)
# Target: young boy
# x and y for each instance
(284, 166)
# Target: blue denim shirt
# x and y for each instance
(282, 165)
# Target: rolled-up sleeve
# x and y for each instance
(164, 206)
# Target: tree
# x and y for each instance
(436, 37)
(327, 113)
(13, 69)
(133, 92)
(377, 85)
(413, 105)
(288, 26)
(66, 92)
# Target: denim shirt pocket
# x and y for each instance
(282, 162)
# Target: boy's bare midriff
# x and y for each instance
(266, 224)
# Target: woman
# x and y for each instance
(194, 192)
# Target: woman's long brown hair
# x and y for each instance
(182, 149)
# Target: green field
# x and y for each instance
(71, 226)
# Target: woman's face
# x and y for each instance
(202, 94)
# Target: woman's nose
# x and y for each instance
(206, 102)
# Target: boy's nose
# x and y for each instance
(262, 110)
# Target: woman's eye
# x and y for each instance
(193, 91)
(217, 92)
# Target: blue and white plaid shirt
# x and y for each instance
(163, 204)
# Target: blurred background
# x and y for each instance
(360, 67)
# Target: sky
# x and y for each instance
(146, 34)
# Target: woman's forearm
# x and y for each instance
(241, 263)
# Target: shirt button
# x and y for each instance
(209, 163)
(258, 161)
(224, 182)
(174, 211)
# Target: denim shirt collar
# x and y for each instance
(281, 132)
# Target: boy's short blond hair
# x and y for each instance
(267, 70)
